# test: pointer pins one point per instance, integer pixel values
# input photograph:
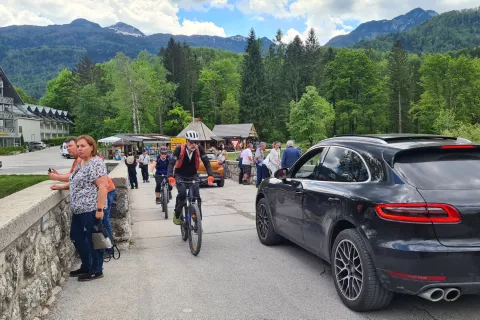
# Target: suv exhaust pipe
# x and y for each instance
(452, 294)
(434, 294)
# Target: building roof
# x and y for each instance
(8, 89)
(242, 130)
(205, 133)
(48, 113)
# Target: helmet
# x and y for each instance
(163, 150)
(192, 135)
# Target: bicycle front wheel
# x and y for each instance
(165, 201)
(195, 229)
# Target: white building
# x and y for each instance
(33, 122)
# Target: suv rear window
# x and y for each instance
(435, 169)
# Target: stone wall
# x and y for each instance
(36, 253)
(121, 218)
(35, 250)
(233, 171)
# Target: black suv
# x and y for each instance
(391, 213)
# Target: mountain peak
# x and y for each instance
(84, 23)
(373, 29)
(126, 29)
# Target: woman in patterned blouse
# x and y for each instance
(88, 200)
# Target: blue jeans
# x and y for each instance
(81, 235)
(106, 214)
(259, 174)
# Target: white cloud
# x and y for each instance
(9, 17)
(328, 17)
(150, 16)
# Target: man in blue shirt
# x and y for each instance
(161, 167)
(290, 155)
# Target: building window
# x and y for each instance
(9, 123)
(20, 129)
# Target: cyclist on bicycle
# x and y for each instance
(161, 168)
(186, 161)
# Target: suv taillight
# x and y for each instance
(419, 212)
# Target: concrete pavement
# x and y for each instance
(233, 277)
(36, 162)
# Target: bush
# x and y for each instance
(7, 150)
(55, 141)
(467, 131)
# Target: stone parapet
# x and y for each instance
(36, 253)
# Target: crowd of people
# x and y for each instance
(266, 165)
(92, 192)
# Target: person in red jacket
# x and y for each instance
(186, 161)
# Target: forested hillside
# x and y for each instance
(298, 90)
(32, 55)
(449, 31)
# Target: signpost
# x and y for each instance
(174, 142)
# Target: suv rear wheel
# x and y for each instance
(354, 274)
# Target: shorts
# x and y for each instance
(247, 169)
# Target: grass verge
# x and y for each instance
(10, 184)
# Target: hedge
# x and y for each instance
(7, 150)
(55, 141)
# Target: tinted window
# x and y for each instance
(307, 166)
(343, 165)
(441, 169)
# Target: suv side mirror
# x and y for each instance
(281, 174)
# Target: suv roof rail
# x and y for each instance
(388, 138)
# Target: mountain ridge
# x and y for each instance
(375, 28)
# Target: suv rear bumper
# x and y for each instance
(416, 287)
(445, 267)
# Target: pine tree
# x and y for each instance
(295, 68)
(400, 75)
(252, 93)
(312, 60)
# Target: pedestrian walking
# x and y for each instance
(131, 163)
(144, 161)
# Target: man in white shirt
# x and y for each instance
(144, 160)
(247, 161)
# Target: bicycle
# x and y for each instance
(191, 220)
(164, 193)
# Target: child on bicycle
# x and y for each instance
(161, 169)
(186, 161)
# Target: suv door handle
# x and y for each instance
(334, 199)
(299, 192)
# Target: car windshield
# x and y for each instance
(441, 169)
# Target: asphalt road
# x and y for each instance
(36, 162)
(234, 276)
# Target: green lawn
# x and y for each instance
(13, 183)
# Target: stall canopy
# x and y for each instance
(243, 130)
(205, 133)
(110, 139)
(130, 138)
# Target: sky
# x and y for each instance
(223, 18)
